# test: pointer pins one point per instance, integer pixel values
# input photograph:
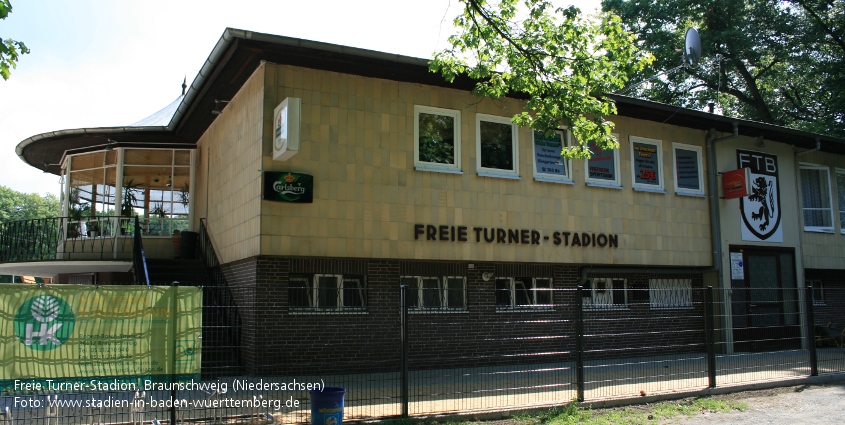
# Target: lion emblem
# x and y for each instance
(760, 192)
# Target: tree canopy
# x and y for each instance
(775, 61)
(10, 50)
(15, 205)
(561, 61)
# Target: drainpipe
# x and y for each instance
(712, 198)
(716, 226)
(800, 254)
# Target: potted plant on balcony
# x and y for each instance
(131, 191)
(76, 210)
(93, 226)
(158, 211)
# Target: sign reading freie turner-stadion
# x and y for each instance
(71, 337)
(288, 187)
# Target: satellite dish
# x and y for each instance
(692, 48)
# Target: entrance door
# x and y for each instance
(765, 301)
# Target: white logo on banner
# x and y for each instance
(761, 212)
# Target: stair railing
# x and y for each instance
(219, 296)
(139, 260)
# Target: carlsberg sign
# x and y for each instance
(288, 187)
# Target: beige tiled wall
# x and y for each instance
(357, 142)
(228, 178)
(826, 250)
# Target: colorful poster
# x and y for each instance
(602, 165)
(760, 211)
(73, 333)
(547, 157)
(646, 163)
(686, 169)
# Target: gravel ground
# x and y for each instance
(799, 405)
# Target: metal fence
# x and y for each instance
(508, 347)
(65, 239)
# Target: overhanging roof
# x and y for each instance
(238, 53)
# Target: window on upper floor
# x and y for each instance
(437, 139)
(513, 293)
(327, 292)
(549, 165)
(646, 164)
(435, 292)
(815, 198)
(496, 146)
(689, 179)
(602, 168)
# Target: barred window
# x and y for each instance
(606, 293)
(670, 293)
(435, 292)
(523, 292)
(327, 292)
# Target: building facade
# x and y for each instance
(328, 177)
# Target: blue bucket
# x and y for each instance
(327, 406)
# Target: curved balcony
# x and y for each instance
(49, 246)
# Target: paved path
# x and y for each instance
(801, 405)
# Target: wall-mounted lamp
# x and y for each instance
(761, 143)
(486, 276)
(110, 144)
(169, 183)
(218, 106)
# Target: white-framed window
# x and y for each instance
(513, 293)
(497, 146)
(646, 164)
(840, 191)
(435, 292)
(437, 139)
(670, 293)
(608, 293)
(327, 292)
(549, 165)
(818, 290)
(815, 198)
(602, 169)
(689, 179)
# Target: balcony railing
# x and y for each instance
(60, 238)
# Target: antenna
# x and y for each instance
(692, 54)
(692, 48)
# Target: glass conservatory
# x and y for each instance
(104, 191)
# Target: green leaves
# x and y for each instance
(10, 50)
(26, 206)
(563, 62)
(782, 61)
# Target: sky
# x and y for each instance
(105, 63)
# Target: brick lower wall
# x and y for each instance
(277, 341)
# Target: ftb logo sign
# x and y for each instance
(761, 212)
(44, 322)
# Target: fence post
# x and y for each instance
(174, 293)
(579, 343)
(709, 335)
(403, 303)
(811, 331)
